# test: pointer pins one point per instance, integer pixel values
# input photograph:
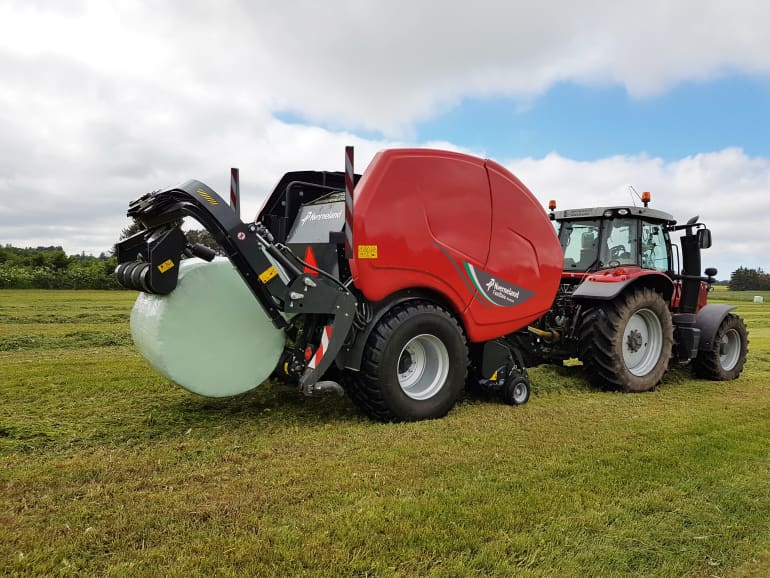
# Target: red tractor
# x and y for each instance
(626, 309)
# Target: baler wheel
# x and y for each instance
(726, 359)
(414, 365)
(516, 391)
(626, 344)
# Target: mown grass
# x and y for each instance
(722, 293)
(108, 469)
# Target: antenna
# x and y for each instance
(633, 192)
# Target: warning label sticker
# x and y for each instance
(166, 265)
(267, 274)
(367, 251)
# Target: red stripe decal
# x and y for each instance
(349, 185)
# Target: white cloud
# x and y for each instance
(101, 101)
(727, 189)
(384, 64)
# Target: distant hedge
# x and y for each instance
(51, 268)
(18, 277)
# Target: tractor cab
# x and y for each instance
(607, 237)
(615, 244)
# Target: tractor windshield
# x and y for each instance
(580, 243)
(599, 243)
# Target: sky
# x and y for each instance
(103, 101)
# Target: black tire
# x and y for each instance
(626, 344)
(725, 360)
(393, 385)
(516, 391)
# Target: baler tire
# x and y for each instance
(725, 360)
(516, 391)
(626, 344)
(386, 390)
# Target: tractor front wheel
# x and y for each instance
(414, 365)
(626, 344)
(724, 361)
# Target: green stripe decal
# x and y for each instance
(474, 279)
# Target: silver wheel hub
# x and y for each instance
(642, 342)
(423, 366)
(729, 349)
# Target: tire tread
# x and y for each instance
(708, 366)
(364, 387)
(598, 341)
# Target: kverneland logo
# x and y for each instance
(311, 216)
(494, 287)
(495, 290)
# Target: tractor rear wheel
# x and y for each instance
(626, 344)
(414, 365)
(725, 360)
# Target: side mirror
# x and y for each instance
(711, 272)
(704, 238)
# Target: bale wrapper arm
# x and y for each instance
(149, 262)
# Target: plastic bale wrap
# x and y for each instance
(209, 335)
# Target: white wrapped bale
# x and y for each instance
(209, 335)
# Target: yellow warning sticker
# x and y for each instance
(165, 266)
(267, 274)
(367, 251)
(209, 199)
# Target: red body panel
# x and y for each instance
(619, 274)
(703, 296)
(458, 225)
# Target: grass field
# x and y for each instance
(108, 469)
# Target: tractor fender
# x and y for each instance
(611, 286)
(708, 321)
(352, 354)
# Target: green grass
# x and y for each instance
(722, 293)
(108, 469)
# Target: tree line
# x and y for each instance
(51, 268)
(744, 279)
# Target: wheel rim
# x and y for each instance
(642, 342)
(729, 349)
(519, 392)
(423, 366)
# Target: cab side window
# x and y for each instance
(654, 252)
